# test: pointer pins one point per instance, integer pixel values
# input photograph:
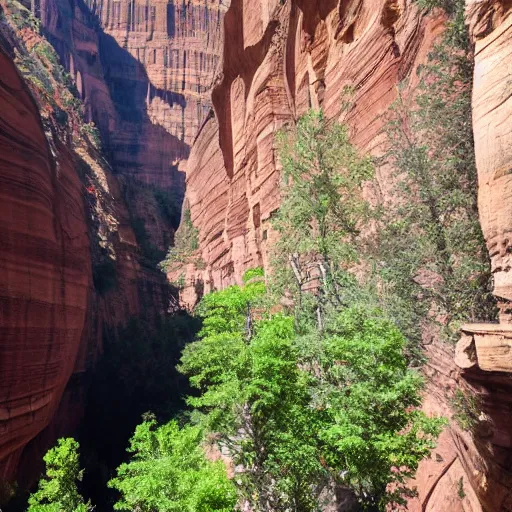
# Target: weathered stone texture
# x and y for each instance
(45, 267)
(144, 70)
(304, 53)
(492, 114)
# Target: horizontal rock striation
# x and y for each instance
(144, 70)
(45, 267)
(281, 58)
(72, 265)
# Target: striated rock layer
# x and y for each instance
(45, 267)
(281, 58)
(69, 260)
(144, 70)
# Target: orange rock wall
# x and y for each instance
(278, 61)
(144, 70)
(45, 267)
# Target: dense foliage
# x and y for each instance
(58, 491)
(169, 472)
(301, 412)
(186, 242)
(432, 255)
(322, 208)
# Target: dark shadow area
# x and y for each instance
(136, 374)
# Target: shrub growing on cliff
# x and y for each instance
(169, 472)
(432, 250)
(58, 490)
(186, 242)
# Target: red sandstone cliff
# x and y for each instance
(280, 58)
(144, 70)
(65, 227)
(45, 267)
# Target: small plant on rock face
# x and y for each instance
(186, 242)
(460, 488)
(467, 409)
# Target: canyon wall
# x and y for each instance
(144, 70)
(70, 261)
(45, 266)
(280, 59)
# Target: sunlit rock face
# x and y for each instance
(280, 59)
(144, 69)
(491, 28)
(45, 270)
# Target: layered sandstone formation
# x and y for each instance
(45, 267)
(70, 261)
(144, 70)
(280, 59)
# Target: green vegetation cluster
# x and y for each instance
(298, 413)
(58, 492)
(170, 473)
(186, 243)
(431, 253)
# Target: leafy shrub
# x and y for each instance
(322, 208)
(467, 409)
(58, 490)
(456, 33)
(169, 472)
(186, 242)
(252, 273)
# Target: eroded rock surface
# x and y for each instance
(144, 70)
(45, 267)
(280, 59)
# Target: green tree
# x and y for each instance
(169, 472)
(322, 207)
(372, 435)
(301, 412)
(432, 254)
(255, 398)
(58, 491)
